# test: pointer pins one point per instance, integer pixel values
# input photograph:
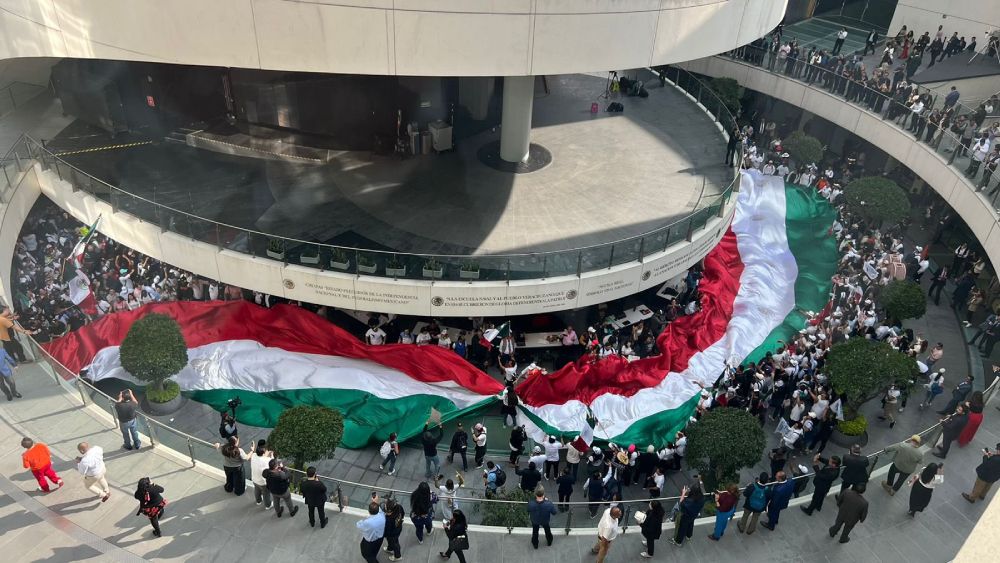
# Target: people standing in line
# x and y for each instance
(151, 502)
(429, 439)
(922, 487)
(651, 528)
(691, 503)
(855, 468)
(459, 445)
(258, 463)
(232, 463)
(756, 501)
(457, 531)
(975, 405)
(394, 515)
(565, 482)
(278, 480)
(479, 436)
(607, 532)
(541, 510)
(37, 459)
(90, 464)
(958, 394)
(313, 492)
(825, 476)
(951, 428)
(372, 530)
(422, 511)
(906, 460)
(987, 473)
(389, 452)
(853, 509)
(781, 494)
(7, 384)
(125, 410)
(725, 509)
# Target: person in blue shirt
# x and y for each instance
(372, 531)
(7, 365)
(541, 510)
(781, 493)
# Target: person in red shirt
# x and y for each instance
(39, 461)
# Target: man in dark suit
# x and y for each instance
(314, 494)
(870, 42)
(825, 476)
(855, 469)
(951, 428)
(781, 493)
(853, 509)
(958, 394)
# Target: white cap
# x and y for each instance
(537, 450)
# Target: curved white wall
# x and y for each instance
(946, 180)
(395, 37)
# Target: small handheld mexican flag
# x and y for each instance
(586, 438)
(491, 334)
(73, 275)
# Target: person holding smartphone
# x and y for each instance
(987, 473)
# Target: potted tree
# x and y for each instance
(276, 248)
(339, 260)
(307, 433)
(366, 265)
(860, 370)
(433, 269)
(903, 299)
(724, 441)
(395, 268)
(877, 199)
(469, 271)
(803, 148)
(154, 350)
(310, 254)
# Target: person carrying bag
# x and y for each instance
(151, 503)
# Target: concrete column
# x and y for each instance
(515, 122)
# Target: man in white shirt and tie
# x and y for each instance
(841, 36)
(90, 464)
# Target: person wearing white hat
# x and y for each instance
(479, 437)
(538, 457)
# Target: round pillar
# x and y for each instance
(515, 122)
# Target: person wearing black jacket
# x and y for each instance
(277, 479)
(430, 438)
(987, 473)
(855, 468)
(314, 494)
(394, 515)
(517, 438)
(530, 477)
(651, 527)
(646, 465)
(459, 445)
(151, 502)
(825, 476)
(565, 481)
(458, 539)
(951, 428)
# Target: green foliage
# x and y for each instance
(470, 266)
(365, 260)
(395, 263)
(507, 515)
(154, 349)
(311, 251)
(877, 199)
(854, 427)
(803, 148)
(168, 393)
(339, 255)
(276, 245)
(903, 299)
(729, 92)
(433, 264)
(307, 433)
(862, 368)
(724, 441)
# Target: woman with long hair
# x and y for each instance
(232, 463)
(458, 539)
(151, 502)
(691, 502)
(393, 528)
(975, 409)
(651, 527)
(922, 487)
(422, 510)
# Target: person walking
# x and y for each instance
(7, 385)
(151, 502)
(313, 492)
(756, 501)
(855, 468)
(479, 436)
(934, 388)
(595, 492)
(125, 409)
(389, 452)
(232, 463)
(459, 445)
(725, 508)
(922, 487)
(37, 459)
(422, 511)
(516, 444)
(372, 530)
(90, 464)
(541, 510)
(651, 527)
(691, 503)
(781, 493)
(530, 477)
(853, 509)
(958, 394)
(951, 428)
(394, 515)
(607, 532)
(976, 405)
(565, 481)
(457, 531)
(429, 439)
(278, 480)
(906, 460)
(987, 473)
(825, 476)
(258, 463)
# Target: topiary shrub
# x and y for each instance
(904, 299)
(153, 350)
(507, 515)
(877, 199)
(803, 148)
(860, 369)
(729, 92)
(853, 427)
(168, 393)
(724, 441)
(307, 433)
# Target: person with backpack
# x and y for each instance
(394, 515)
(756, 501)
(459, 445)
(493, 478)
(389, 452)
(422, 511)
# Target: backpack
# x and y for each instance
(758, 498)
(501, 477)
(385, 449)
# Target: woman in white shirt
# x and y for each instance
(258, 463)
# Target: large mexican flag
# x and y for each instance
(775, 262)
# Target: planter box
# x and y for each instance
(160, 409)
(275, 255)
(468, 275)
(395, 272)
(363, 269)
(845, 441)
(433, 273)
(340, 265)
(309, 259)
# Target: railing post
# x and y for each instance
(545, 265)
(191, 452)
(642, 249)
(79, 387)
(666, 239)
(152, 433)
(114, 413)
(579, 263)
(611, 259)
(340, 498)
(17, 160)
(569, 519)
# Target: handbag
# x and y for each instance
(459, 543)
